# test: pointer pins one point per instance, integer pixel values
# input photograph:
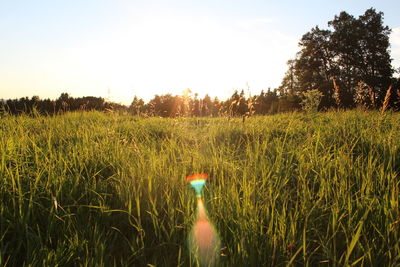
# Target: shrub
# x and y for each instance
(310, 100)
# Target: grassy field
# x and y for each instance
(93, 189)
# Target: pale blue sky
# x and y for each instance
(117, 49)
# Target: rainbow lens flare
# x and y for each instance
(197, 181)
(204, 241)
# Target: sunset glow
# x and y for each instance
(142, 48)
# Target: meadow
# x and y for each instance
(96, 189)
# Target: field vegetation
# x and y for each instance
(96, 189)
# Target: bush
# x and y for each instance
(310, 100)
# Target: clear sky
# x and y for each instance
(120, 48)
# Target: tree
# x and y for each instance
(217, 107)
(207, 106)
(242, 104)
(196, 110)
(350, 51)
(137, 106)
(236, 105)
(165, 105)
(290, 82)
(361, 47)
(315, 66)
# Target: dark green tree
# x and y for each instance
(362, 51)
(350, 51)
(290, 82)
(315, 65)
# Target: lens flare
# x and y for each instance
(204, 241)
(197, 181)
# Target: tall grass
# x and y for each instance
(93, 189)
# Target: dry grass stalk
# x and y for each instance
(372, 96)
(386, 101)
(398, 95)
(250, 109)
(336, 94)
(364, 96)
(398, 99)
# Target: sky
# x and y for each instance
(117, 49)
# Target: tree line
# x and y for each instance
(345, 66)
(62, 104)
(166, 105)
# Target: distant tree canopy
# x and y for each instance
(350, 51)
(63, 104)
(344, 66)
